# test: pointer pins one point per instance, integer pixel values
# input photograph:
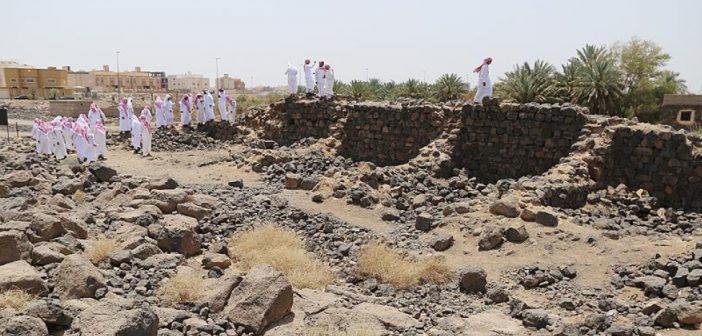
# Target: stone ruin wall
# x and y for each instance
(514, 140)
(494, 142)
(665, 163)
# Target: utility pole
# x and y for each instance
(119, 88)
(217, 73)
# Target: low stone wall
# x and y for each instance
(514, 140)
(290, 121)
(559, 144)
(664, 162)
(390, 134)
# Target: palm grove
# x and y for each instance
(627, 79)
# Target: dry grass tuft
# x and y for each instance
(100, 249)
(339, 331)
(79, 196)
(282, 249)
(15, 299)
(181, 288)
(387, 265)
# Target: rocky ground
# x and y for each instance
(88, 249)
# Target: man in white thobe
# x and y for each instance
(168, 110)
(160, 112)
(319, 75)
(232, 109)
(222, 105)
(125, 122)
(94, 115)
(292, 79)
(209, 106)
(136, 134)
(185, 111)
(484, 84)
(130, 108)
(145, 136)
(200, 107)
(328, 82)
(309, 80)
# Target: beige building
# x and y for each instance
(229, 83)
(80, 80)
(127, 81)
(188, 82)
(22, 79)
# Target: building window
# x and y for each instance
(28, 80)
(686, 117)
(51, 81)
(14, 80)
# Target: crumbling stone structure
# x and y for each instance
(561, 144)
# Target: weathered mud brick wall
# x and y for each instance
(514, 140)
(291, 121)
(665, 163)
(389, 134)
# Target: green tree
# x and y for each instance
(600, 83)
(530, 83)
(340, 87)
(413, 88)
(566, 81)
(360, 90)
(449, 87)
(388, 91)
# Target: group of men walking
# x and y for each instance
(87, 136)
(322, 78)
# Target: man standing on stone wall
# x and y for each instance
(309, 80)
(484, 84)
(320, 76)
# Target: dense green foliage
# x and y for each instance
(627, 79)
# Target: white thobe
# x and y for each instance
(130, 109)
(309, 80)
(168, 112)
(209, 107)
(125, 122)
(58, 147)
(68, 137)
(136, 133)
(222, 105)
(232, 113)
(484, 84)
(100, 143)
(200, 105)
(93, 117)
(160, 115)
(35, 135)
(319, 76)
(90, 149)
(329, 84)
(81, 146)
(145, 140)
(44, 143)
(292, 79)
(147, 113)
(184, 114)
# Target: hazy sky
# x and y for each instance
(394, 40)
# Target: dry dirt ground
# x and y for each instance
(546, 247)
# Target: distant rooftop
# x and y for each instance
(675, 99)
(13, 64)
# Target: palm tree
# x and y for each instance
(566, 80)
(449, 87)
(527, 83)
(600, 83)
(388, 91)
(413, 88)
(670, 82)
(600, 87)
(360, 90)
(340, 87)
